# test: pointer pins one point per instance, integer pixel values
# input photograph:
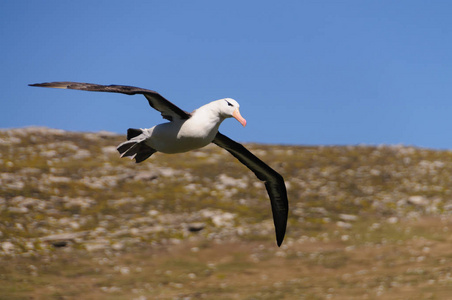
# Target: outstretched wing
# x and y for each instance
(274, 182)
(168, 110)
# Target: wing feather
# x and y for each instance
(274, 182)
(168, 110)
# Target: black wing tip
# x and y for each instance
(280, 221)
(56, 84)
(280, 237)
(43, 84)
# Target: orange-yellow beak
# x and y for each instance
(236, 114)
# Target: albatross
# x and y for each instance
(188, 131)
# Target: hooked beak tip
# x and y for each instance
(239, 117)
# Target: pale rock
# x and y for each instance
(7, 247)
(153, 212)
(18, 210)
(69, 236)
(346, 217)
(168, 172)
(418, 200)
(111, 289)
(320, 210)
(223, 220)
(123, 270)
(96, 245)
(109, 150)
(226, 181)
(344, 225)
(392, 220)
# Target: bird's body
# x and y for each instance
(188, 131)
(182, 135)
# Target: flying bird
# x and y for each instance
(188, 131)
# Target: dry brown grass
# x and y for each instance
(417, 267)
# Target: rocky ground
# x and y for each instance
(76, 221)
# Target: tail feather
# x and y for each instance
(135, 147)
(126, 148)
(144, 154)
(133, 132)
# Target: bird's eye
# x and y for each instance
(229, 103)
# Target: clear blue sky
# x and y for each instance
(304, 72)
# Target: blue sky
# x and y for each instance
(304, 72)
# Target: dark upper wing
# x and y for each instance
(169, 110)
(274, 182)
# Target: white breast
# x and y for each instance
(183, 135)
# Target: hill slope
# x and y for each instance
(67, 199)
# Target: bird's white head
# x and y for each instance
(230, 108)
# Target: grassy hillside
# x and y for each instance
(78, 222)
